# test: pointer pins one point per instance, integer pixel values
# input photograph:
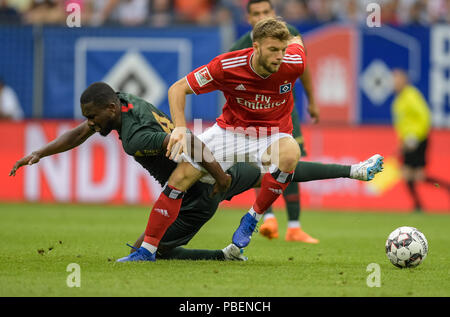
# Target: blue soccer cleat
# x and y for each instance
(365, 171)
(243, 234)
(139, 255)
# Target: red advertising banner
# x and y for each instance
(99, 171)
(332, 52)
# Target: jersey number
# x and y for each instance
(164, 122)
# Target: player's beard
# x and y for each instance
(268, 66)
(104, 131)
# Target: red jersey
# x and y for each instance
(251, 100)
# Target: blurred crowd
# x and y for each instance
(159, 13)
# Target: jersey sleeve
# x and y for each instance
(295, 58)
(206, 78)
(245, 41)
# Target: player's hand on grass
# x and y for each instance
(177, 143)
(222, 185)
(31, 159)
(314, 112)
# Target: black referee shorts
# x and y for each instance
(417, 157)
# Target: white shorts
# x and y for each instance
(229, 147)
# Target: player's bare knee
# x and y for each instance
(288, 163)
(289, 157)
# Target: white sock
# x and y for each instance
(254, 214)
(268, 216)
(151, 248)
(293, 224)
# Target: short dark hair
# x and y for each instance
(100, 94)
(257, 1)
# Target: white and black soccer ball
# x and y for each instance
(406, 247)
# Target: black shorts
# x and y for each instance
(198, 207)
(417, 157)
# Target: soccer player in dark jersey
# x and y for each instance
(256, 11)
(144, 131)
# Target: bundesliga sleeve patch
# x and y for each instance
(203, 76)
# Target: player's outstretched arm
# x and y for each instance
(306, 80)
(313, 110)
(64, 142)
(177, 102)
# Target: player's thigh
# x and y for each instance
(408, 173)
(284, 153)
(184, 176)
(419, 174)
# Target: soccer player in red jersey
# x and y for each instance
(255, 124)
(258, 10)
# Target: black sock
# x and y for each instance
(310, 171)
(292, 199)
(180, 253)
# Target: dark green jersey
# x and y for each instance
(144, 128)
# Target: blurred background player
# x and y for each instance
(9, 103)
(256, 11)
(412, 123)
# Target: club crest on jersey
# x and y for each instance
(285, 88)
(203, 76)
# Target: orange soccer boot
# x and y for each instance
(297, 234)
(269, 228)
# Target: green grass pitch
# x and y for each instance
(39, 241)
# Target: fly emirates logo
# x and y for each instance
(260, 102)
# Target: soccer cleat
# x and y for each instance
(365, 171)
(269, 228)
(297, 234)
(233, 253)
(140, 255)
(243, 234)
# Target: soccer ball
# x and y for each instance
(406, 247)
